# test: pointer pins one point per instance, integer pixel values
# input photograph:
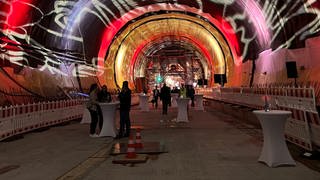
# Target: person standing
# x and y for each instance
(183, 92)
(125, 105)
(155, 97)
(175, 90)
(165, 98)
(92, 106)
(190, 93)
(103, 97)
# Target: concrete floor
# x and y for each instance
(209, 147)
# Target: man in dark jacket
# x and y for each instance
(125, 104)
(165, 98)
(190, 94)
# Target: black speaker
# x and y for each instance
(205, 82)
(202, 82)
(220, 78)
(291, 69)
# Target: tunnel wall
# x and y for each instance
(271, 66)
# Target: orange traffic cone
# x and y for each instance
(138, 139)
(131, 152)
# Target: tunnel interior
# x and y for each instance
(64, 46)
(172, 37)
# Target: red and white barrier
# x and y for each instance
(302, 128)
(26, 117)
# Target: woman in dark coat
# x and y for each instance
(92, 106)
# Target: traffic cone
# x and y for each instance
(138, 139)
(131, 153)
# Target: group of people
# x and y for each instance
(165, 95)
(97, 96)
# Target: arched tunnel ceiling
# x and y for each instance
(126, 47)
(48, 34)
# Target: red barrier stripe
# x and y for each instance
(305, 93)
(310, 117)
(313, 118)
(316, 118)
(297, 93)
(301, 115)
(280, 92)
(8, 112)
(294, 114)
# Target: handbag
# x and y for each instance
(91, 106)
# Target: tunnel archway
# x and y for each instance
(172, 56)
(130, 41)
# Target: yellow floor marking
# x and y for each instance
(79, 171)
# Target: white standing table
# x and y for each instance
(275, 151)
(86, 117)
(174, 97)
(109, 120)
(143, 102)
(182, 109)
(199, 101)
